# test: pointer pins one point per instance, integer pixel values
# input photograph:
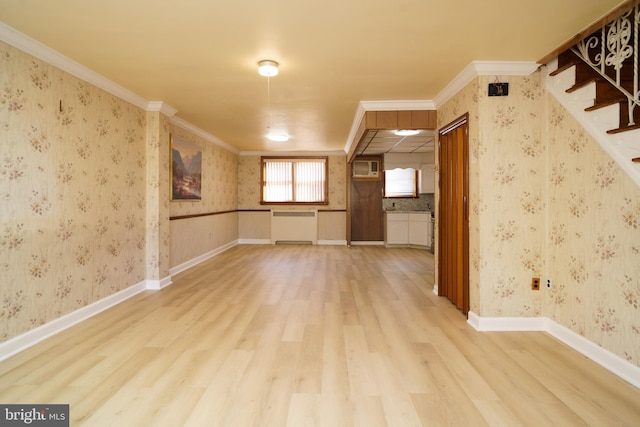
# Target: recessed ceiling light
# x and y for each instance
(407, 132)
(268, 68)
(278, 137)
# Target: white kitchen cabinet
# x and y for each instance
(420, 229)
(397, 229)
(427, 178)
(408, 228)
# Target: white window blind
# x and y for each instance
(296, 180)
(400, 183)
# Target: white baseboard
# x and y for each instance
(23, 341)
(610, 361)
(254, 241)
(332, 242)
(197, 260)
(435, 289)
(625, 370)
(521, 324)
(366, 243)
(156, 285)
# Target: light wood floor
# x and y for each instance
(306, 336)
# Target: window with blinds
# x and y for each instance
(401, 183)
(292, 180)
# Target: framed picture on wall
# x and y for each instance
(186, 170)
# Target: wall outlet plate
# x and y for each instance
(535, 283)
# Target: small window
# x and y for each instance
(294, 180)
(401, 183)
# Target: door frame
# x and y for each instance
(443, 213)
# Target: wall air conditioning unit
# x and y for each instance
(366, 169)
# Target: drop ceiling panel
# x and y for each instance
(386, 141)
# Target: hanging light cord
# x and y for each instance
(268, 103)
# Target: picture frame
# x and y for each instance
(186, 170)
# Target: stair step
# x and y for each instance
(601, 103)
(581, 84)
(623, 129)
(562, 68)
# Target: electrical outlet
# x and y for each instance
(535, 283)
(548, 282)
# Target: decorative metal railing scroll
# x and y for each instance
(608, 53)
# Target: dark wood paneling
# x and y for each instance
(366, 218)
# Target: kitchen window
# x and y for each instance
(401, 183)
(294, 180)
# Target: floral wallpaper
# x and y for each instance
(157, 207)
(72, 185)
(566, 211)
(193, 237)
(219, 178)
(593, 240)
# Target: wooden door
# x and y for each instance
(366, 216)
(453, 213)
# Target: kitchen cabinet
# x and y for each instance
(427, 178)
(419, 229)
(408, 228)
(397, 229)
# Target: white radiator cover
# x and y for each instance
(294, 227)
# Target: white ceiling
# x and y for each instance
(200, 56)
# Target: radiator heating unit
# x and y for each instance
(294, 227)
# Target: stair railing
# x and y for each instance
(610, 50)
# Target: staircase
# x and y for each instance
(599, 86)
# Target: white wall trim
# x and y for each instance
(162, 107)
(366, 243)
(483, 68)
(23, 341)
(332, 242)
(197, 260)
(603, 357)
(45, 53)
(293, 153)
(156, 285)
(593, 351)
(522, 324)
(254, 241)
(397, 105)
(354, 127)
(203, 134)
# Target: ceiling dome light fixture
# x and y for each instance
(407, 132)
(268, 68)
(278, 137)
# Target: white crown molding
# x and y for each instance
(483, 68)
(203, 134)
(397, 105)
(32, 47)
(505, 68)
(603, 357)
(354, 127)
(45, 53)
(162, 107)
(293, 153)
